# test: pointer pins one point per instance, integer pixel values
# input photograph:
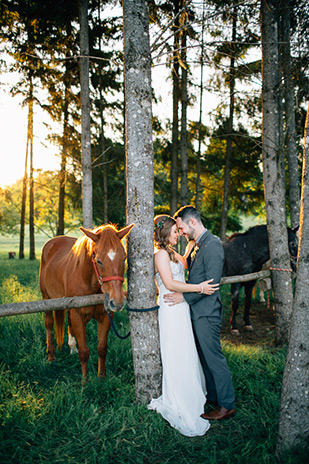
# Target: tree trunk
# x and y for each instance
(184, 135)
(102, 137)
(272, 172)
(31, 182)
(228, 154)
(85, 103)
(294, 410)
(198, 163)
(24, 195)
(175, 131)
(103, 158)
(62, 177)
(140, 200)
(290, 124)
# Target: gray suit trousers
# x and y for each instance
(218, 378)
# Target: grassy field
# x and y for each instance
(11, 243)
(46, 416)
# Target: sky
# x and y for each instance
(13, 132)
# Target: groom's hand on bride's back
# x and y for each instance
(173, 298)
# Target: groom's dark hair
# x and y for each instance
(186, 213)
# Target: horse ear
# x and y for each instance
(295, 230)
(123, 232)
(89, 234)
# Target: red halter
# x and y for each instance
(101, 279)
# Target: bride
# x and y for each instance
(183, 384)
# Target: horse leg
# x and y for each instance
(248, 296)
(79, 326)
(103, 329)
(235, 288)
(71, 338)
(49, 324)
(262, 296)
(59, 319)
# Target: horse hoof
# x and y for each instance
(235, 332)
(248, 327)
(51, 358)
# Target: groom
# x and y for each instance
(206, 311)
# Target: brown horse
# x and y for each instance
(93, 263)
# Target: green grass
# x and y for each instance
(11, 243)
(47, 416)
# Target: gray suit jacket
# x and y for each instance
(207, 264)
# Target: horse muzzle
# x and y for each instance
(112, 305)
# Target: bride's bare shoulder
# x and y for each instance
(161, 252)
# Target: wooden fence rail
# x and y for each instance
(13, 309)
(245, 278)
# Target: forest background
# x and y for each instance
(212, 101)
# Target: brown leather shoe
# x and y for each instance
(218, 414)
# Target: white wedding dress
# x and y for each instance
(183, 384)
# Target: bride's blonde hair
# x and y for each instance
(163, 226)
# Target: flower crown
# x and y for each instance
(160, 224)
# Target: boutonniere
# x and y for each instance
(195, 250)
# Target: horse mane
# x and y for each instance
(236, 234)
(83, 247)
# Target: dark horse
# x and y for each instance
(93, 263)
(246, 253)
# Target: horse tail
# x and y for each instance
(59, 317)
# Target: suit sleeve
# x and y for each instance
(210, 268)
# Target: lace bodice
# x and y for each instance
(177, 272)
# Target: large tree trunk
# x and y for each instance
(294, 410)
(85, 102)
(229, 140)
(175, 130)
(31, 181)
(290, 124)
(140, 200)
(273, 173)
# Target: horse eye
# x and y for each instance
(99, 262)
